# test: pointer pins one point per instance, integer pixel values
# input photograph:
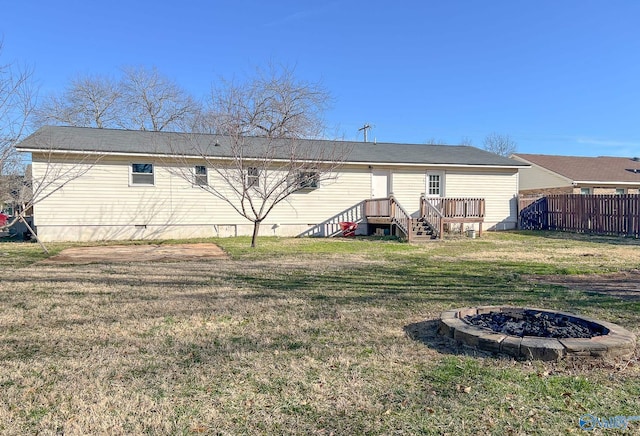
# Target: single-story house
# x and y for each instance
(549, 174)
(128, 187)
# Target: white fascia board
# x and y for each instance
(430, 165)
(101, 153)
(118, 154)
(346, 162)
(156, 155)
(601, 183)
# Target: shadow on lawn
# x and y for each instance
(580, 237)
(426, 332)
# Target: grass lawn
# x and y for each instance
(303, 336)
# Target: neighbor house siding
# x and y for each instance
(539, 179)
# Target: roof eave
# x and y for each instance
(346, 162)
(596, 182)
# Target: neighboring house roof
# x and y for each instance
(604, 169)
(135, 142)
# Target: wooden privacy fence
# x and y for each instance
(597, 214)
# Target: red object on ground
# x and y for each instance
(3, 219)
(348, 228)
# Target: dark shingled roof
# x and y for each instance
(587, 169)
(111, 141)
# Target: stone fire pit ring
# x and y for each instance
(614, 342)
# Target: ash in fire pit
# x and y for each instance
(530, 322)
(531, 333)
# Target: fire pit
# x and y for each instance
(536, 334)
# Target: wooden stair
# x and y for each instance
(436, 213)
(421, 230)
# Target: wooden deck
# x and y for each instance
(437, 212)
(388, 211)
(461, 210)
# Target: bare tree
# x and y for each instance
(153, 102)
(143, 99)
(434, 141)
(50, 172)
(263, 154)
(273, 104)
(89, 101)
(466, 141)
(17, 94)
(502, 145)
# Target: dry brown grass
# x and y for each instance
(166, 348)
(297, 343)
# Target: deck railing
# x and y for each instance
(331, 226)
(389, 208)
(457, 207)
(378, 207)
(436, 211)
(441, 210)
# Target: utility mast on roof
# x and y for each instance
(365, 128)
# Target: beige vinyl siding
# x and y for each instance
(407, 186)
(103, 196)
(314, 206)
(536, 177)
(499, 189)
(102, 204)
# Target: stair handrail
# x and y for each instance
(432, 216)
(400, 217)
(331, 226)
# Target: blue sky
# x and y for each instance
(559, 77)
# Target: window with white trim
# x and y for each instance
(306, 180)
(435, 184)
(200, 176)
(142, 174)
(585, 191)
(253, 177)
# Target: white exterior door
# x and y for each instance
(379, 183)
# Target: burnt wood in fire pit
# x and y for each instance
(538, 334)
(529, 322)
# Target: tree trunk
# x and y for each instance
(256, 229)
(33, 233)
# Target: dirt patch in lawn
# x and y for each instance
(137, 253)
(624, 284)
